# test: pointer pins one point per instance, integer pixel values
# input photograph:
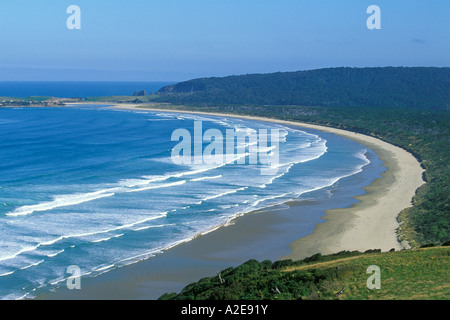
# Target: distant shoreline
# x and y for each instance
(372, 222)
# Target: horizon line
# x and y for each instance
(231, 75)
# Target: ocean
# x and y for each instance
(97, 188)
(76, 89)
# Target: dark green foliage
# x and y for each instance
(315, 258)
(311, 279)
(283, 264)
(370, 87)
(373, 251)
(252, 282)
(428, 245)
(265, 280)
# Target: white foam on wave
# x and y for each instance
(32, 265)
(60, 280)
(166, 115)
(108, 238)
(157, 226)
(197, 117)
(104, 268)
(271, 180)
(153, 252)
(330, 182)
(254, 204)
(302, 132)
(127, 186)
(167, 185)
(7, 273)
(323, 149)
(55, 254)
(80, 235)
(61, 201)
(223, 194)
(145, 180)
(228, 206)
(362, 155)
(207, 178)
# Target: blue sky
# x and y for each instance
(173, 40)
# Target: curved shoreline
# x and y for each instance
(370, 223)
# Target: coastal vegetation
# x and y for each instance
(419, 274)
(122, 99)
(35, 101)
(333, 87)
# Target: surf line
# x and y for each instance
(234, 143)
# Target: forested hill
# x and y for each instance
(415, 87)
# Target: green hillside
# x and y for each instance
(413, 87)
(419, 274)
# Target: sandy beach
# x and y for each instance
(369, 223)
(372, 222)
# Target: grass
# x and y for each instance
(418, 274)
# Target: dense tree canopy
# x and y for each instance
(417, 87)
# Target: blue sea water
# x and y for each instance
(76, 89)
(96, 187)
